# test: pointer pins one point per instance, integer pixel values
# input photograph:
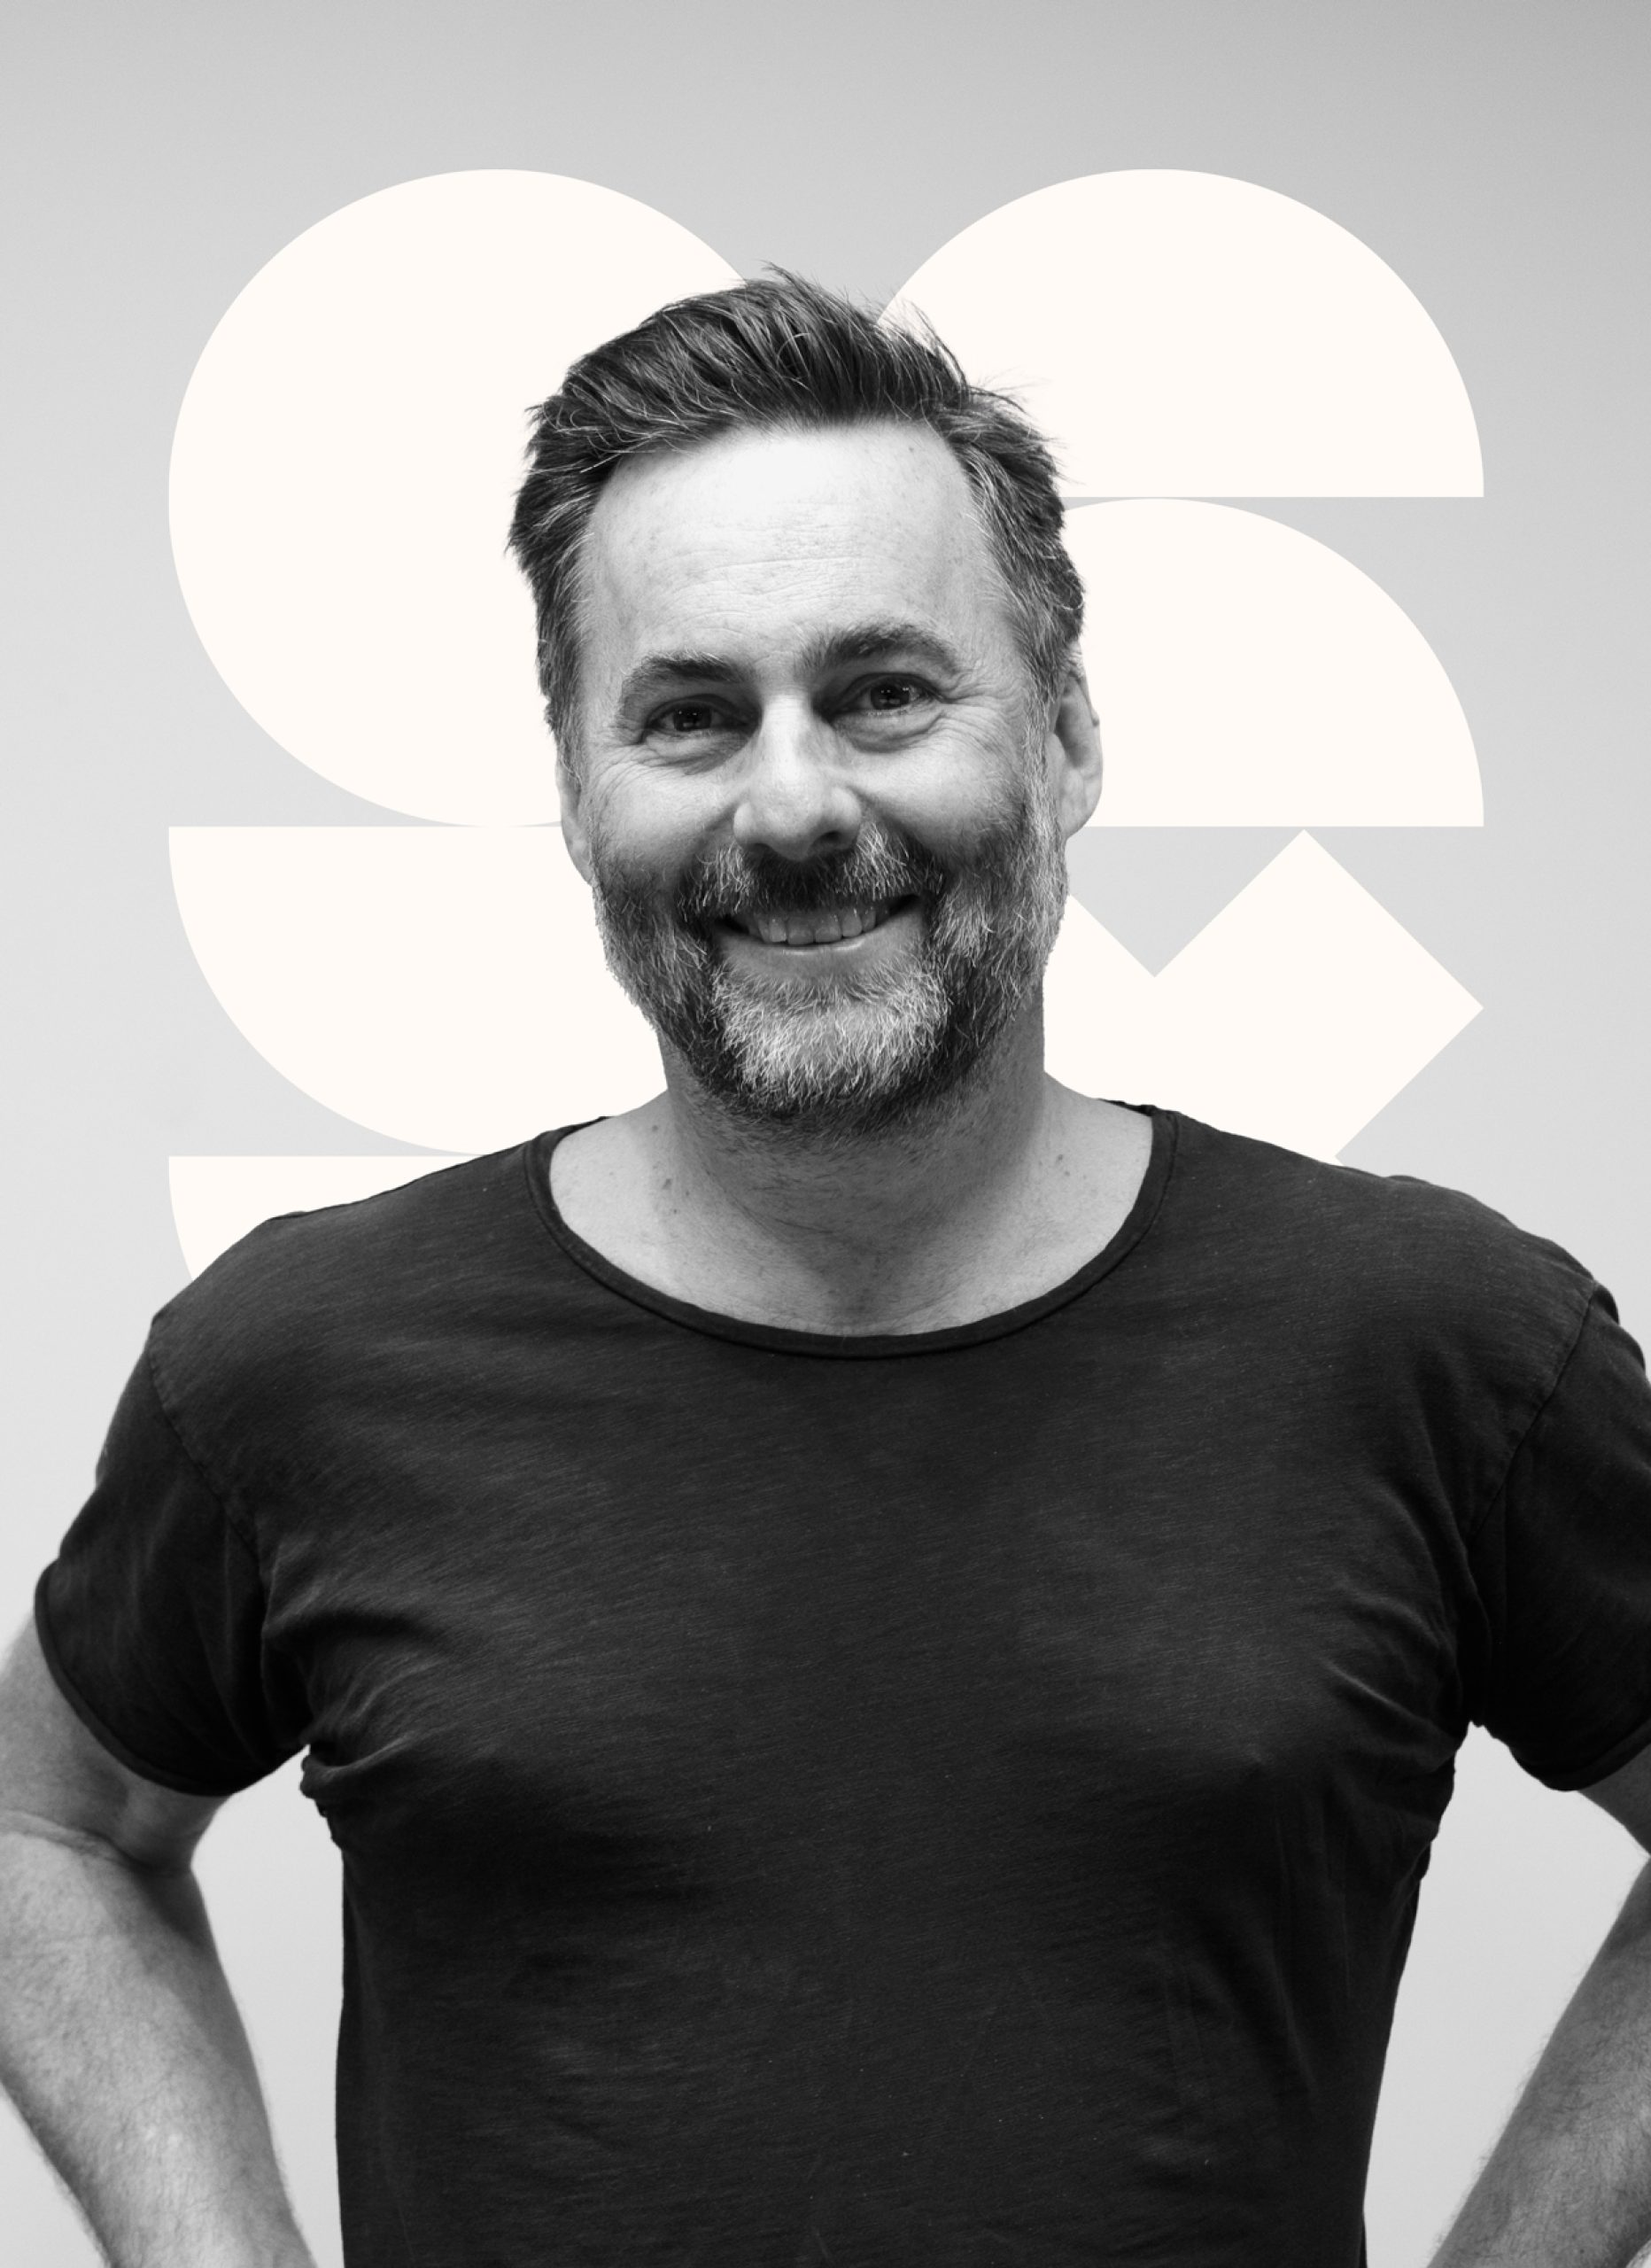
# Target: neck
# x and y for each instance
(863, 1232)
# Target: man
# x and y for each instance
(883, 1642)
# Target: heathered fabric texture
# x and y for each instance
(942, 1802)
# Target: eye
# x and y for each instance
(686, 719)
(890, 697)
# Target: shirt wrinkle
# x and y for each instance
(978, 1820)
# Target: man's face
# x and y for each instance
(823, 822)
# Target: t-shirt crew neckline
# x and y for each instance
(859, 1346)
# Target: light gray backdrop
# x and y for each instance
(1493, 151)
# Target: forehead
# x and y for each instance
(753, 545)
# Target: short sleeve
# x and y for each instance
(1563, 1562)
(152, 1616)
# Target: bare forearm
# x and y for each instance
(1569, 2184)
(121, 2046)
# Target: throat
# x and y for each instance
(890, 1240)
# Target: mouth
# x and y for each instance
(831, 925)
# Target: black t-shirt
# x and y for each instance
(948, 1801)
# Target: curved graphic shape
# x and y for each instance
(1245, 675)
(1295, 1015)
(443, 986)
(216, 1202)
(344, 464)
(1184, 334)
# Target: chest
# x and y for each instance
(650, 1626)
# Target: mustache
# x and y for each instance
(733, 882)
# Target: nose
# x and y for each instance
(793, 799)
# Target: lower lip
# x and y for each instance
(894, 927)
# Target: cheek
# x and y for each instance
(958, 798)
(645, 829)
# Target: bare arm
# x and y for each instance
(1569, 2184)
(119, 2039)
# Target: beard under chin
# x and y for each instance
(870, 1052)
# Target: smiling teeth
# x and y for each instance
(826, 929)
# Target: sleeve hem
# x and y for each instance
(180, 1782)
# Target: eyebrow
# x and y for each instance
(862, 642)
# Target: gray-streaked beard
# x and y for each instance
(869, 1052)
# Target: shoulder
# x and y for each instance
(1375, 1258)
(305, 1292)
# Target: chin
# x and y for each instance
(837, 1067)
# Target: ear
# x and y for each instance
(1074, 752)
(575, 834)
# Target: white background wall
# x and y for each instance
(1493, 154)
